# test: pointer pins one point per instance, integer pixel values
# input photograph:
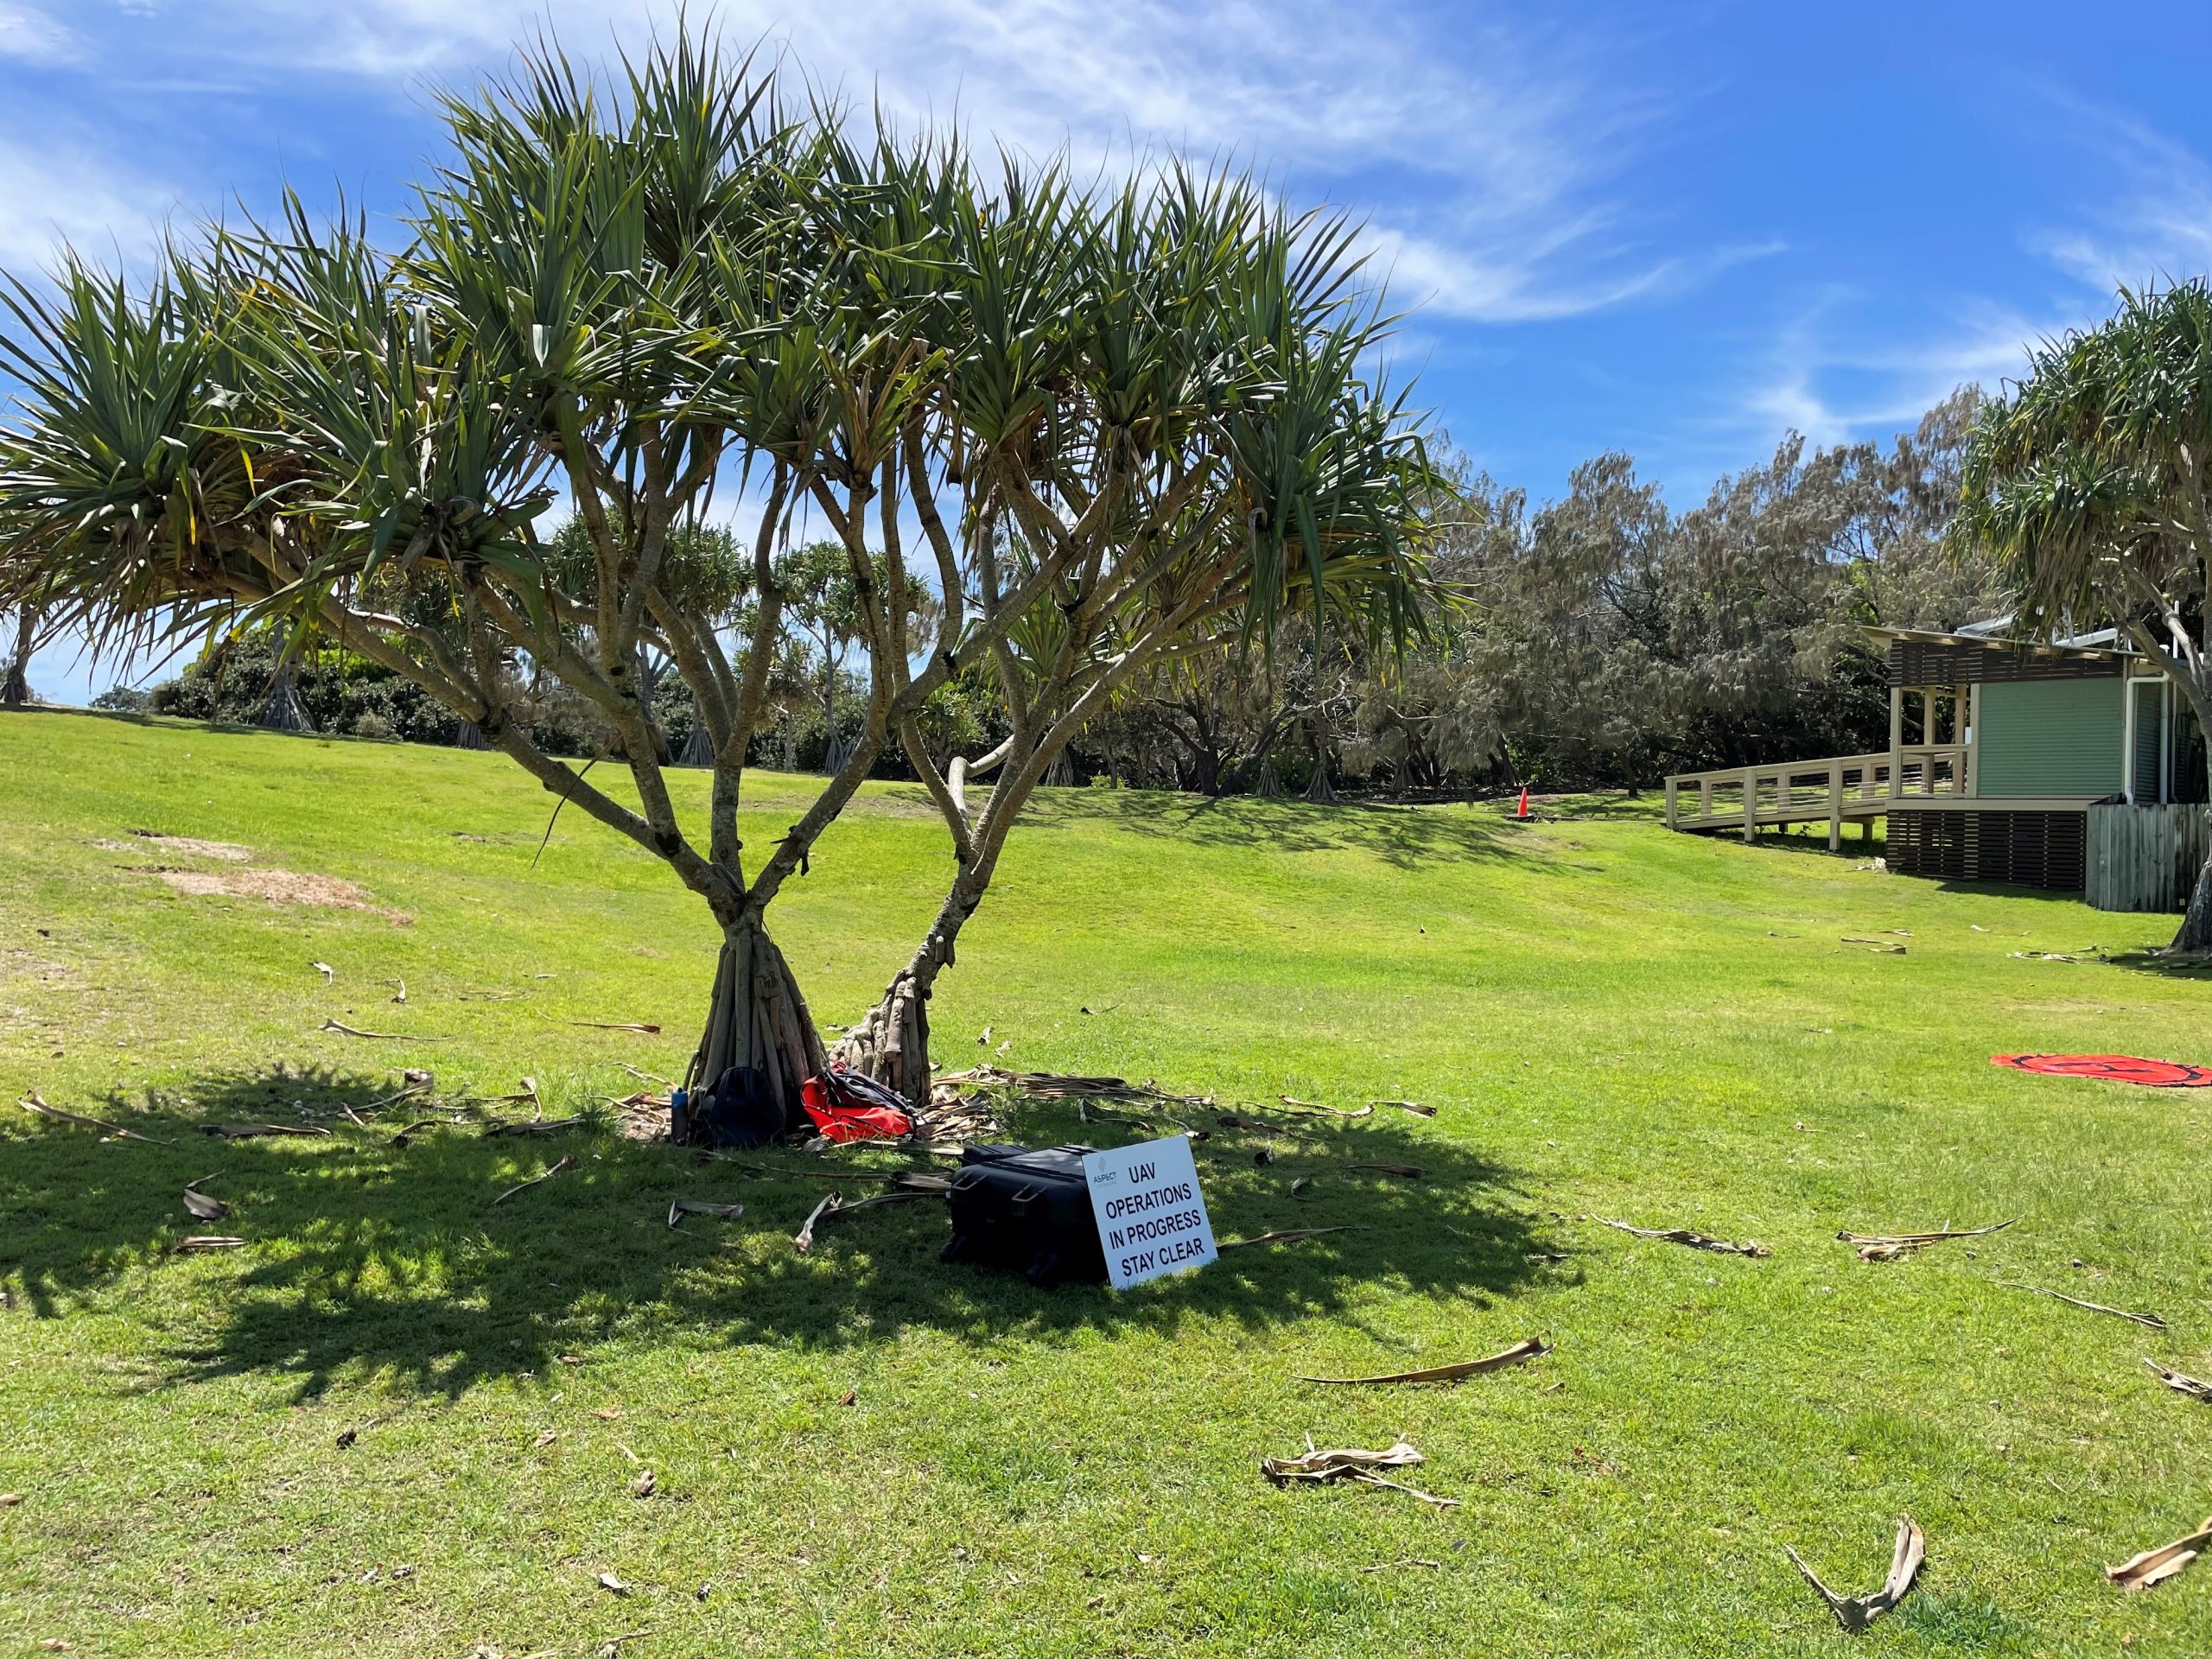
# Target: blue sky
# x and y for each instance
(1681, 233)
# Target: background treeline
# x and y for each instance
(1604, 639)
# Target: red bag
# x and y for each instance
(846, 1106)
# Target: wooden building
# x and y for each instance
(2073, 767)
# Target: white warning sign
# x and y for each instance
(1151, 1218)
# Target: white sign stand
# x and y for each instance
(1151, 1218)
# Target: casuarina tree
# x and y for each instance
(1093, 424)
(2094, 480)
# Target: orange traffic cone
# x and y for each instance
(1523, 812)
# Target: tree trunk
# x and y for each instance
(283, 711)
(759, 1018)
(833, 761)
(1318, 787)
(2195, 932)
(648, 682)
(2194, 681)
(891, 1045)
(15, 686)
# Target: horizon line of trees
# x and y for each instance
(1601, 639)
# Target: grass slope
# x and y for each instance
(1612, 1020)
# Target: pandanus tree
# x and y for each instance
(2093, 482)
(1264, 474)
(15, 676)
(1093, 426)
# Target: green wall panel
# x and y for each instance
(2051, 737)
(2150, 738)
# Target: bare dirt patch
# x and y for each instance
(182, 846)
(22, 964)
(278, 887)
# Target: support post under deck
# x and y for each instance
(1897, 741)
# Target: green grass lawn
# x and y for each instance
(1611, 1020)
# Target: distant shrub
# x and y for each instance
(230, 682)
(123, 700)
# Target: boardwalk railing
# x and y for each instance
(1844, 786)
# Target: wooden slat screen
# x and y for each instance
(1914, 662)
(2028, 850)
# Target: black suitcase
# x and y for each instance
(1027, 1212)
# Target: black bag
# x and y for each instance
(741, 1111)
(1028, 1212)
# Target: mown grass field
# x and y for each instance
(1611, 1021)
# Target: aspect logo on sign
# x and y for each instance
(1152, 1219)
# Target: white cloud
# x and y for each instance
(53, 191)
(1483, 153)
(1488, 279)
(2153, 224)
(1839, 390)
(1227, 74)
(2155, 227)
(30, 36)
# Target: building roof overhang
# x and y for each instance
(1931, 637)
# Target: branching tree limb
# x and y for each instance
(1123, 417)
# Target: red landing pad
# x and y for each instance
(2119, 1068)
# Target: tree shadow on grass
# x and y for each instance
(369, 1261)
(2004, 890)
(1406, 837)
(194, 723)
(1597, 806)
(1812, 844)
(2188, 966)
